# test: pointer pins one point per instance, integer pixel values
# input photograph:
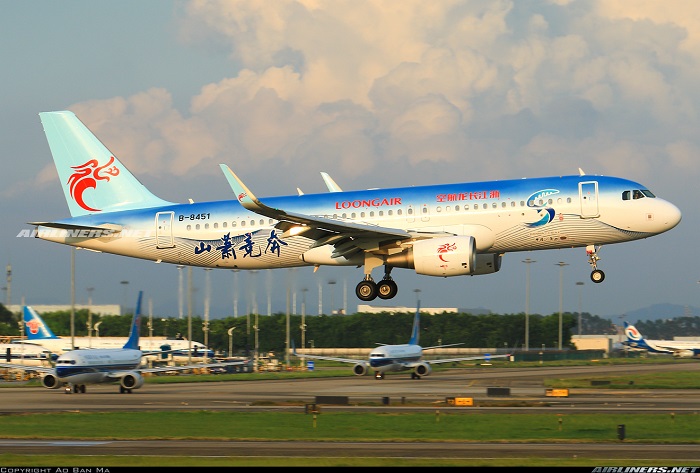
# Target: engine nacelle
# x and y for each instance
(443, 256)
(684, 354)
(50, 381)
(132, 380)
(423, 369)
(360, 369)
(487, 263)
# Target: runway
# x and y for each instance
(525, 393)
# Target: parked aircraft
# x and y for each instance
(404, 357)
(25, 354)
(437, 230)
(679, 349)
(38, 333)
(77, 368)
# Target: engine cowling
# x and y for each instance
(360, 369)
(423, 369)
(132, 380)
(684, 354)
(50, 381)
(442, 256)
(487, 263)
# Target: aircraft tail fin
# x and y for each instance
(415, 333)
(634, 338)
(34, 326)
(92, 178)
(133, 341)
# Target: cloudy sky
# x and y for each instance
(377, 94)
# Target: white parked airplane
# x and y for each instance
(77, 368)
(403, 357)
(438, 230)
(679, 349)
(38, 333)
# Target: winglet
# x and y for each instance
(330, 183)
(246, 198)
(133, 341)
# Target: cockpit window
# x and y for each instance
(637, 194)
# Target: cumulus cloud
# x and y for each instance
(351, 86)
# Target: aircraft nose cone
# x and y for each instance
(671, 215)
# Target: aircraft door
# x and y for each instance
(410, 214)
(164, 230)
(425, 213)
(588, 194)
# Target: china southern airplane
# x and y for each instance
(679, 349)
(460, 229)
(404, 357)
(76, 368)
(37, 332)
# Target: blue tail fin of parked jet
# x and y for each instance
(415, 333)
(93, 179)
(34, 326)
(133, 341)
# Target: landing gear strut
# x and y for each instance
(368, 290)
(597, 275)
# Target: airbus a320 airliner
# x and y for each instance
(460, 229)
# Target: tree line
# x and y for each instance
(360, 330)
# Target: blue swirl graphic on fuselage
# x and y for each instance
(546, 218)
(540, 195)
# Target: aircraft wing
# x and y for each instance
(676, 349)
(348, 237)
(329, 358)
(454, 360)
(28, 368)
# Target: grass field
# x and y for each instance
(441, 425)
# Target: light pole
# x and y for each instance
(527, 262)
(230, 341)
(189, 315)
(417, 291)
(331, 283)
(580, 287)
(89, 323)
(180, 304)
(303, 321)
(207, 298)
(125, 284)
(235, 292)
(561, 265)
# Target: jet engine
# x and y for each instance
(131, 380)
(442, 256)
(50, 381)
(360, 369)
(422, 369)
(684, 354)
(487, 263)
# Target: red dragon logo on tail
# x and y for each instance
(86, 176)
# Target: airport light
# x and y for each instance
(230, 341)
(561, 265)
(180, 304)
(235, 292)
(527, 262)
(303, 321)
(89, 322)
(331, 283)
(580, 287)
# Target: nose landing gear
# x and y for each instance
(597, 275)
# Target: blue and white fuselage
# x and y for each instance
(436, 230)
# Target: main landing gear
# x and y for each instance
(597, 275)
(76, 388)
(368, 290)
